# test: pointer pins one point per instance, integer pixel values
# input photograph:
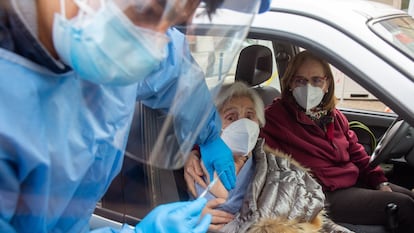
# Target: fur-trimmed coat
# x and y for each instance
(282, 198)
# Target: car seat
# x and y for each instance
(254, 67)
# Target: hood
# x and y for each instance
(282, 197)
(18, 21)
(26, 12)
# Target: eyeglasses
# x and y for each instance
(316, 81)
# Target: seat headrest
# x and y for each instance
(254, 65)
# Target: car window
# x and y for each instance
(349, 93)
(397, 31)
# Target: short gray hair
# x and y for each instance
(240, 89)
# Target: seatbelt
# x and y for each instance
(360, 125)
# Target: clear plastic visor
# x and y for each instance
(159, 15)
(214, 41)
(164, 138)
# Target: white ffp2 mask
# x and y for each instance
(241, 136)
(308, 96)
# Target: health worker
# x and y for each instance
(71, 73)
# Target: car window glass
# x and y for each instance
(397, 31)
(351, 95)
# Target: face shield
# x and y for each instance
(175, 95)
(165, 129)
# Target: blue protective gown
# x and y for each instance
(157, 91)
(62, 139)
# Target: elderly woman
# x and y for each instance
(273, 192)
(305, 123)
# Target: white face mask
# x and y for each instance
(241, 136)
(308, 96)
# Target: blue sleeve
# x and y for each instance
(9, 188)
(179, 73)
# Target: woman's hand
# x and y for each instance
(220, 218)
(193, 172)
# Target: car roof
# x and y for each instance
(334, 10)
(350, 16)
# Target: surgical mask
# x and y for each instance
(105, 47)
(241, 136)
(308, 96)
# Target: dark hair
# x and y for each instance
(212, 5)
(329, 100)
(153, 13)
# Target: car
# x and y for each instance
(370, 43)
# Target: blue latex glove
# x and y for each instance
(217, 156)
(176, 217)
(264, 5)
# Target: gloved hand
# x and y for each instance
(216, 155)
(176, 217)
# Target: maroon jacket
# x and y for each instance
(335, 158)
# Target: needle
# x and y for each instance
(210, 185)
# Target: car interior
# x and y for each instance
(140, 187)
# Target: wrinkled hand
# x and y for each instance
(220, 217)
(176, 217)
(217, 156)
(193, 172)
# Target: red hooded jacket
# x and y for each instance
(335, 157)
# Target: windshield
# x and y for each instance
(399, 32)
